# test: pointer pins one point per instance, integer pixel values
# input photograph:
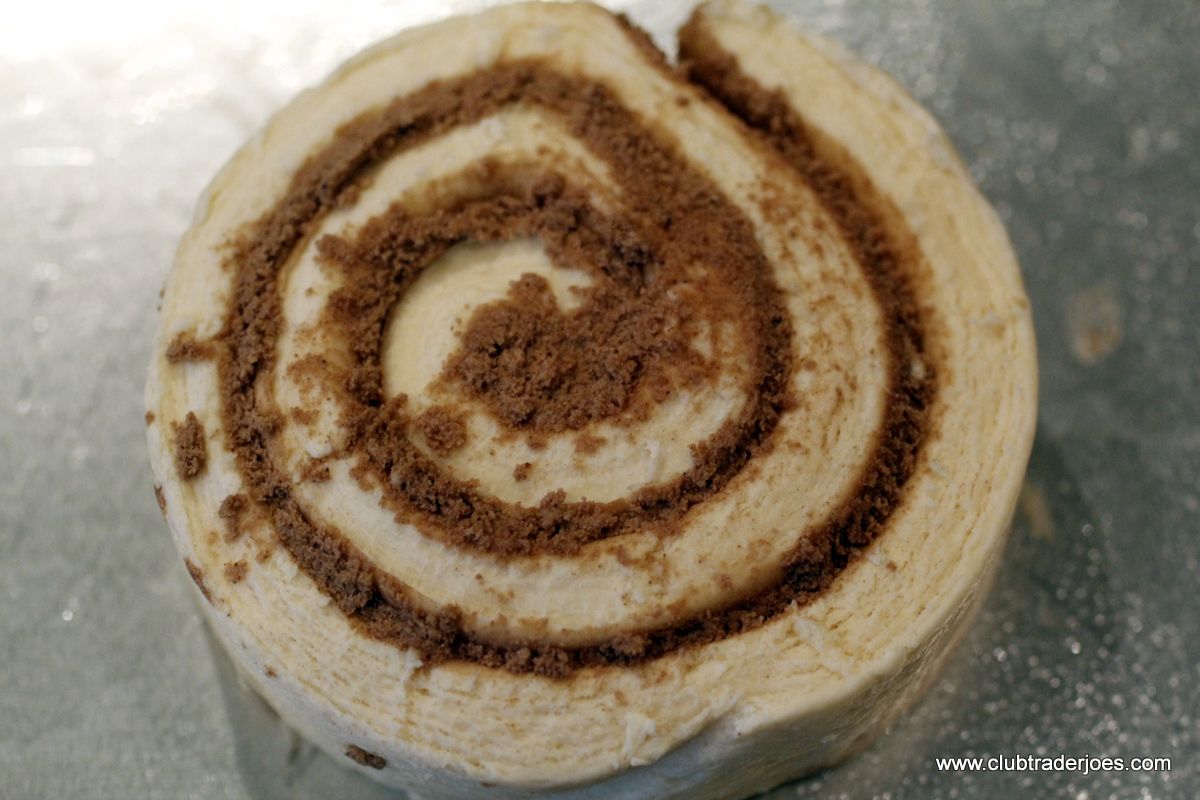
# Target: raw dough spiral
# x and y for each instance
(537, 417)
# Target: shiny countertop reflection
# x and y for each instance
(1081, 122)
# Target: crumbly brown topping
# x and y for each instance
(233, 511)
(588, 443)
(191, 453)
(539, 368)
(232, 506)
(444, 429)
(367, 759)
(185, 347)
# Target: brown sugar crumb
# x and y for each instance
(538, 368)
(149, 418)
(305, 416)
(197, 575)
(231, 510)
(445, 431)
(364, 757)
(232, 506)
(521, 471)
(161, 498)
(235, 571)
(190, 452)
(185, 347)
(587, 443)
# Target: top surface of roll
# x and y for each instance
(515, 349)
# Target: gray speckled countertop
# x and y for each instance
(1080, 120)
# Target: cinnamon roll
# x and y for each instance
(538, 417)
